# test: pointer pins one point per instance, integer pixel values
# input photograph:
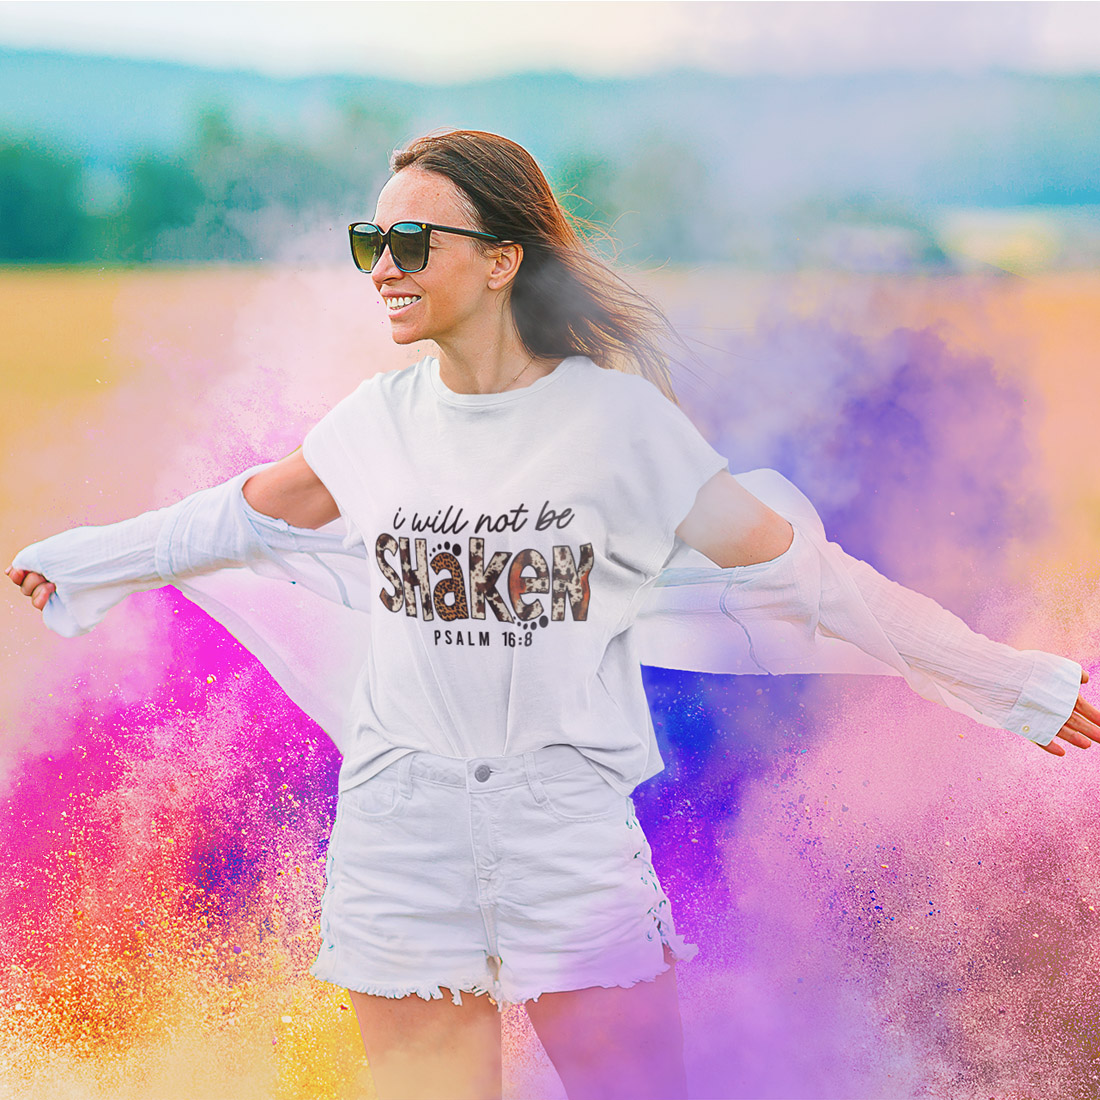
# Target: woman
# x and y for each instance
(514, 501)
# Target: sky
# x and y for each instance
(417, 39)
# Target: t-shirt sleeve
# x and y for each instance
(672, 462)
(329, 448)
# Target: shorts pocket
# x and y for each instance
(382, 796)
(580, 794)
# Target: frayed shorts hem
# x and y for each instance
(503, 994)
(678, 949)
(426, 992)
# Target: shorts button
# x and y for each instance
(482, 772)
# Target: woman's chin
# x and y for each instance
(404, 334)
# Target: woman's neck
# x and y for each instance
(493, 367)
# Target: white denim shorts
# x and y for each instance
(512, 876)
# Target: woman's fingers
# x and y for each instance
(1082, 728)
(1081, 724)
(32, 584)
(1085, 710)
(41, 594)
(1066, 733)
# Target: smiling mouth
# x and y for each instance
(397, 304)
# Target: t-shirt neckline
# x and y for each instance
(445, 393)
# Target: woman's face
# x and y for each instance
(453, 293)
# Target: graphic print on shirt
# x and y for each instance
(460, 586)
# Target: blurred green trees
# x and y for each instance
(656, 202)
(229, 194)
(163, 194)
(234, 191)
(42, 217)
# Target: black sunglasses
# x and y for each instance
(408, 243)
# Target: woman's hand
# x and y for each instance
(32, 584)
(1081, 728)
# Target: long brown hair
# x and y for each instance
(564, 300)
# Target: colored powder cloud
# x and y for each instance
(888, 898)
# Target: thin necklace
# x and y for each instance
(516, 379)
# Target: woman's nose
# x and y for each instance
(385, 269)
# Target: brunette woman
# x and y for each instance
(509, 502)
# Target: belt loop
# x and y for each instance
(404, 775)
(533, 780)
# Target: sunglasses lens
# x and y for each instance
(366, 245)
(409, 246)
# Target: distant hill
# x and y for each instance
(992, 140)
(753, 148)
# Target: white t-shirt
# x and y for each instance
(508, 536)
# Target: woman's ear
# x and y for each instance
(506, 261)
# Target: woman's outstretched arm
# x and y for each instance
(733, 528)
(78, 575)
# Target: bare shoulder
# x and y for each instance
(289, 490)
(732, 527)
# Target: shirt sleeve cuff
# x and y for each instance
(94, 568)
(1047, 698)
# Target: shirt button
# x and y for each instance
(1027, 729)
(482, 772)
